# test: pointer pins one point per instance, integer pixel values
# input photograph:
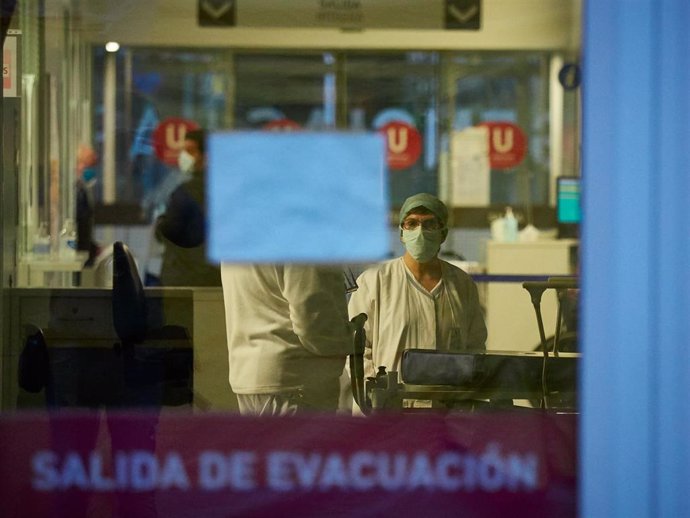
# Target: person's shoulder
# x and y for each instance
(450, 270)
(379, 273)
(197, 181)
(180, 193)
(383, 268)
(189, 184)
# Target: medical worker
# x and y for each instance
(288, 336)
(418, 300)
(182, 228)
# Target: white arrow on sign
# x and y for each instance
(462, 16)
(213, 11)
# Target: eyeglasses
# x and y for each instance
(427, 224)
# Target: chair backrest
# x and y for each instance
(34, 367)
(129, 302)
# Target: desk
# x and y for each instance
(45, 271)
(86, 314)
(510, 319)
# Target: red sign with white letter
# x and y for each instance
(146, 464)
(168, 138)
(507, 144)
(403, 144)
(282, 125)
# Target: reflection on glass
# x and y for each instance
(119, 367)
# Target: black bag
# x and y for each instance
(33, 361)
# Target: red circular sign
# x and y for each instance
(282, 125)
(403, 144)
(507, 144)
(168, 138)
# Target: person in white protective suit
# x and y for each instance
(418, 300)
(288, 336)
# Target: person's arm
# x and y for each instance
(318, 309)
(477, 327)
(183, 222)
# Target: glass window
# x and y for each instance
(285, 91)
(398, 93)
(514, 88)
(149, 87)
(96, 155)
(424, 95)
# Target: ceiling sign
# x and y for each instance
(344, 14)
(463, 14)
(217, 13)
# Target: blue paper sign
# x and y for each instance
(297, 197)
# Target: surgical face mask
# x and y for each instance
(423, 245)
(185, 162)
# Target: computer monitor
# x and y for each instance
(568, 207)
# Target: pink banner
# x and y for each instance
(178, 465)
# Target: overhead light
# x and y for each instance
(112, 46)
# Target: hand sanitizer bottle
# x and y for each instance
(498, 229)
(68, 240)
(510, 231)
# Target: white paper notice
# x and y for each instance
(469, 175)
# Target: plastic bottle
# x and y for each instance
(497, 229)
(510, 229)
(42, 240)
(68, 240)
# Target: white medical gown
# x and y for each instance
(403, 315)
(287, 327)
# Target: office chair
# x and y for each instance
(34, 364)
(153, 354)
